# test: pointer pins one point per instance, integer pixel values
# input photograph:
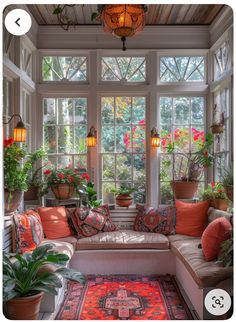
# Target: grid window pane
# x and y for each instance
(181, 123)
(65, 131)
(123, 137)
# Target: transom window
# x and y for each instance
(64, 68)
(182, 69)
(221, 60)
(181, 122)
(65, 130)
(123, 69)
(123, 144)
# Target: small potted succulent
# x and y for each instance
(123, 195)
(216, 196)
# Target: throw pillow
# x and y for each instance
(191, 218)
(215, 233)
(152, 220)
(88, 222)
(54, 221)
(28, 231)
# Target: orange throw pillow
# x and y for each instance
(191, 218)
(54, 221)
(215, 233)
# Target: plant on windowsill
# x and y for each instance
(123, 195)
(216, 196)
(27, 277)
(227, 178)
(217, 127)
(34, 179)
(188, 170)
(17, 168)
(91, 198)
(64, 182)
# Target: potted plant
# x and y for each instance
(64, 182)
(34, 179)
(91, 200)
(26, 278)
(123, 195)
(190, 166)
(216, 196)
(227, 177)
(217, 127)
(226, 256)
(17, 165)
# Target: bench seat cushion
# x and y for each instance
(70, 239)
(60, 246)
(179, 237)
(124, 239)
(205, 274)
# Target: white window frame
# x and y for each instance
(183, 94)
(66, 95)
(102, 55)
(183, 53)
(58, 53)
(128, 94)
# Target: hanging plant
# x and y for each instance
(217, 127)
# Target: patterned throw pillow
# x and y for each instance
(88, 222)
(161, 220)
(28, 231)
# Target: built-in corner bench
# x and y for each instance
(129, 252)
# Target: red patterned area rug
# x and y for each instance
(124, 297)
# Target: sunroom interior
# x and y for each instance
(120, 119)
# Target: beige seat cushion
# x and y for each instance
(70, 239)
(60, 246)
(179, 237)
(124, 239)
(216, 213)
(205, 274)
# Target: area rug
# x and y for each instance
(124, 297)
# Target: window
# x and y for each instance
(221, 60)
(64, 68)
(26, 116)
(7, 104)
(65, 131)
(124, 69)
(123, 144)
(181, 121)
(221, 144)
(182, 69)
(26, 61)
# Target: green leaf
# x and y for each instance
(94, 16)
(71, 274)
(57, 10)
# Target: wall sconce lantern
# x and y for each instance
(19, 133)
(155, 138)
(92, 137)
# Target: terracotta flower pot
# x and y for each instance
(63, 191)
(221, 204)
(12, 200)
(124, 200)
(24, 308)
(217, 128)
(32, 193)
(184, 189)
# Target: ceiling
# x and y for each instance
(157, 14)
